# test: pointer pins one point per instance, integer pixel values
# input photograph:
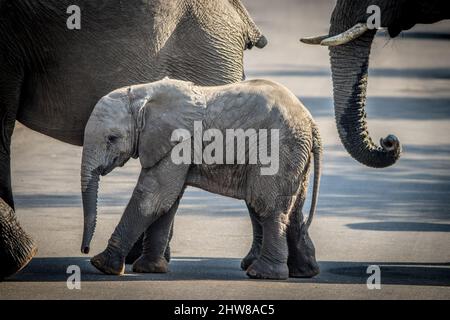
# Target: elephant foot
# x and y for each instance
(109, 263)
(307, 271)
(261, 269)
(137, 249)
(302, 254)
(150, 265)
(302, 262)
(16, 247)
(248, 260)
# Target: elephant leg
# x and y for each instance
(255, 250)
(155, 244)
(7, 122)
(167, 253)
(302, 255)
(16, 247)
(272, 263)
(157, 190)
(136, 251)
(138, 247)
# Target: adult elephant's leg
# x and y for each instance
(16, 248)
(7, 121)
(156, 241)
(152, 197)
(255, 250)
(272, 263)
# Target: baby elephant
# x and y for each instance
(214, 138)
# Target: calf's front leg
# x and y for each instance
(137, 249)
(155, 244)
(157, 190)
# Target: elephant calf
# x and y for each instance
(167, 124)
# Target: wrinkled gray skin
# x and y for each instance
(51, 77)
(349, 65)
(138, 121)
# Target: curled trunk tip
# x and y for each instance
(262, 42)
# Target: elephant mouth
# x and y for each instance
(107, 169)
(117, 162)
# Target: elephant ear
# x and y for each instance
(171, 105)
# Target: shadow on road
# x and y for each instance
(401, 226)
(415, 190)
(49, 269)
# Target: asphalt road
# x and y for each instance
(397, 218)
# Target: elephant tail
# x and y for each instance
(317, 154)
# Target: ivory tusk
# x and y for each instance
(314, 40)
(351, 34)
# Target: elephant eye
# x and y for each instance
(112, 139)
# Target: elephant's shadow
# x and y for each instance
(54, 269)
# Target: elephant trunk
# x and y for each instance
(349, 66)
(89, 190)
(255, 37)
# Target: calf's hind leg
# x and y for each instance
(302, 254)
(272, 261)
(255, 250)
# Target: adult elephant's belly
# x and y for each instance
(52, 127)
(225, 180)
(56, 115)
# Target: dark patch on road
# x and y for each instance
(415, 274)
(401, 226)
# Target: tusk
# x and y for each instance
(351, 34)
(314, 40)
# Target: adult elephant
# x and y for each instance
(51, 76)
(349, 41)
